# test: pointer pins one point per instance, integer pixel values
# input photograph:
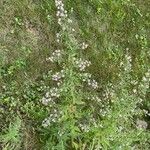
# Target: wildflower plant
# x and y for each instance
(72, 95)
(74, 75)
(76, 108)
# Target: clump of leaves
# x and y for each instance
(10, 138)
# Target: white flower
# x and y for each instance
(85, 76)
(58, 75)
(84, 46)
(61, 12)
(56, 55)
(54, 92)
(53, 117)
(46, 122)
(84, 127)
(69, 21)
(141, 124)
(93, 83)
(82, 64)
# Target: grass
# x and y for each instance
(117, 34)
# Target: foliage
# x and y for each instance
(74, 75)
(11, 138)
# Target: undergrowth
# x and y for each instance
(74, 75)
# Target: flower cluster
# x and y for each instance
(61, 12)
(85, 76)
(103, 112)
(54, 117)
(60, 133)
(58, 76)
(58, 35)
(84, 127)
(141, 124)
(47, 100)
(89, 122)
(93, 83)
(146, 78)
(56, 55)
(84, 45)
(82, 64)
(51, 96)
(94, 98)
(128, 64)
(93, 121)
(144, 84)
(54, 92)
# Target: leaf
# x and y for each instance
(76, 146)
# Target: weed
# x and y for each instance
(74, 75)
